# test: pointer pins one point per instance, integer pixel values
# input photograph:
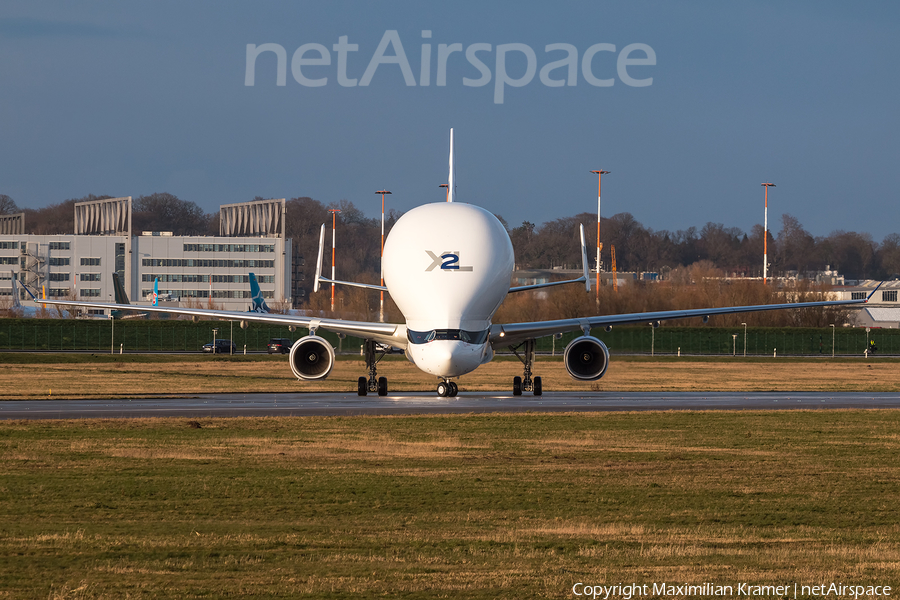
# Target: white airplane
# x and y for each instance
(448, 266)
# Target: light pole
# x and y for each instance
(832, 340)
(215, 331)
(381, 305)
(733, 344)
(334, 212)
(745, 339)
(600, 174)
(766, 233)
(112, 337)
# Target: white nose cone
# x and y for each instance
(448, 265)
(446, 358)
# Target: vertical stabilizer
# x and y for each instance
(259, 303)
(155, 296)
(451, 179)
(15, 291)
(121, 296)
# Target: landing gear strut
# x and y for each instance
(526, 383)
(373, 383)
(447, 388)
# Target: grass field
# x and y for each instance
(34, 376)
(469, 506)
(477, 506)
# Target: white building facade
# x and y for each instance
(192, 270)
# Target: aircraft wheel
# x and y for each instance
(362, 386)
(382, 386)
(517, 386)
(538, 387)
(454, 389)
(443, 389)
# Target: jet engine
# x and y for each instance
(586, 358)
(311, 358)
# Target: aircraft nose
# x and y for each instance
(452, 359)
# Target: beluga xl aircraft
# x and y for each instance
(448, 267)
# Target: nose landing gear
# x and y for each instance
(373, 383)
(526, 383)
(447, 389)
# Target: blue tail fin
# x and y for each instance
(155, 296)
(259, 303)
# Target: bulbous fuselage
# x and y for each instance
(448, 266)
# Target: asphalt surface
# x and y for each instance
(307, 404)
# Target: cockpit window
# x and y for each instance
(463, 335)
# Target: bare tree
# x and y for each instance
(8, 206)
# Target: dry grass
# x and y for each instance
(474, 506)
(193, 376)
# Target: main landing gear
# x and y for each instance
(373, 383)
(526, 383)
(447, 388)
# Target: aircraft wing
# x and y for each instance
(504, 335)
(386, 333)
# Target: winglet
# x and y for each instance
(873, 291)
(451, 178)
(584, 262)
(319, 259)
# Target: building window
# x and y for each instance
(858, 295)
(59, 276)
(889, 296)
(9, 245)
(58, 292)
(208, 263)
(59, 245)
(89, 293)
(9, 260)
(90, 262)
(229, 247)
(90, 276)
(60, 261)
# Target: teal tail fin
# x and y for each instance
(259, 303)
(155, 296)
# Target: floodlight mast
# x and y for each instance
(381, 306)
(600, 173)
(766, 234)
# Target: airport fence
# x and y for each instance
(140, 335)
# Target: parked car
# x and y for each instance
(282, 345)
(221, 347)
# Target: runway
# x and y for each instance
(309, 404)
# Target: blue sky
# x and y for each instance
(135, 98)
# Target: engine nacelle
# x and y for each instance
(311, 357)
(586, 358)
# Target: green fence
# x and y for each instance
(758, 341)
(140, 335)
(179, 336)
(762, 341)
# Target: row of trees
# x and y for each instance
(553, 244)
(639, 248)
